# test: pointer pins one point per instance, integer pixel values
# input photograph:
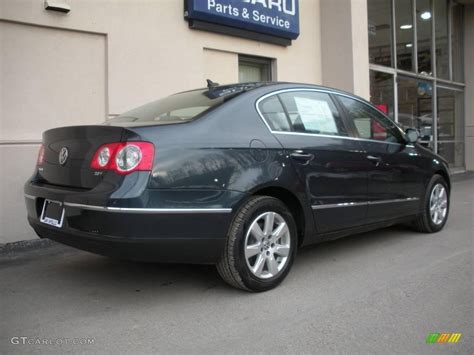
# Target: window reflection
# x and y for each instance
(441, 38)
(380, 32)
(404, 28)
(415, 107)
(450, 126)
(457, 46)
(381, 92)
(423, 29)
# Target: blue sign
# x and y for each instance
(279, 18)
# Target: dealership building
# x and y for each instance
(76, 62)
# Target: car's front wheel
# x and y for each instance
(261, 245)
(436, 206)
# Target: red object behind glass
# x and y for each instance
(383, 108)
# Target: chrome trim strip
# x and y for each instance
(365, 203)
(147, 210)
(334, 92)
(31, 197)
(329, 136)
(409, 199)
(336, 205)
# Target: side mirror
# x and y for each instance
(412, 135)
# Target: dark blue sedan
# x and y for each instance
(239, 176)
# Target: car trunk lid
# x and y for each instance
(68, 152)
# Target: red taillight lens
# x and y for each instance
(103, 157)
(124, 158)
(40, 159)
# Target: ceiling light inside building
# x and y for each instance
(406, 27)
(409, 45)
(425, 15)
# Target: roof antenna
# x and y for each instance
(211, 84)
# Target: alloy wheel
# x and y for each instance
(438, 204)
(267, 245)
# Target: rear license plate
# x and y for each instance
(53, 213)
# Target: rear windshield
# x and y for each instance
(178, 108)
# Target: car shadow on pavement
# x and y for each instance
(84, 272)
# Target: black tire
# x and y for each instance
(233, 266)
(424, 223)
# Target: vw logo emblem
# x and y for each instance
(63, 154)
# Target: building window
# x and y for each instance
(381, 92)
(252, 69)
(404, 34)
(456, 42)
(441, 39)
(424, 16)
(422, 86)
(380, 32)
(415, 107)
(450, 127)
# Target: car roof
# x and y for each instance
(231, 90)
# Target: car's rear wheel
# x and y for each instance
(436, 206)
(261, 245)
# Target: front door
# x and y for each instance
(394, 179)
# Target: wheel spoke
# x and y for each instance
(252, 250)
(258, 266)
(256, 232)
(279, 231)
(272, 265)
(269, 220)
(282, 250)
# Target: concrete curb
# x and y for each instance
(25, 246)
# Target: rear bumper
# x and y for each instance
(163, 234)
(166, 250)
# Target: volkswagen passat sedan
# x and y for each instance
(240, 176)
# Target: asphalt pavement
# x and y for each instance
(381, 292)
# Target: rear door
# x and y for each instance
(394, 178)
(310, 127)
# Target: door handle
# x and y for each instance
(375, 160)
(302, 157)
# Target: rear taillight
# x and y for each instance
(124, 158)
(40, 159)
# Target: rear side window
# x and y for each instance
(303, 111)
(369, 123)
(274, 114)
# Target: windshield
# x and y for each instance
(178, 108)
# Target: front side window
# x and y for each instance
(369, 123)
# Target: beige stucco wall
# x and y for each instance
(105, 57)
(152, 52)
(49, 78)
(469, 80)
